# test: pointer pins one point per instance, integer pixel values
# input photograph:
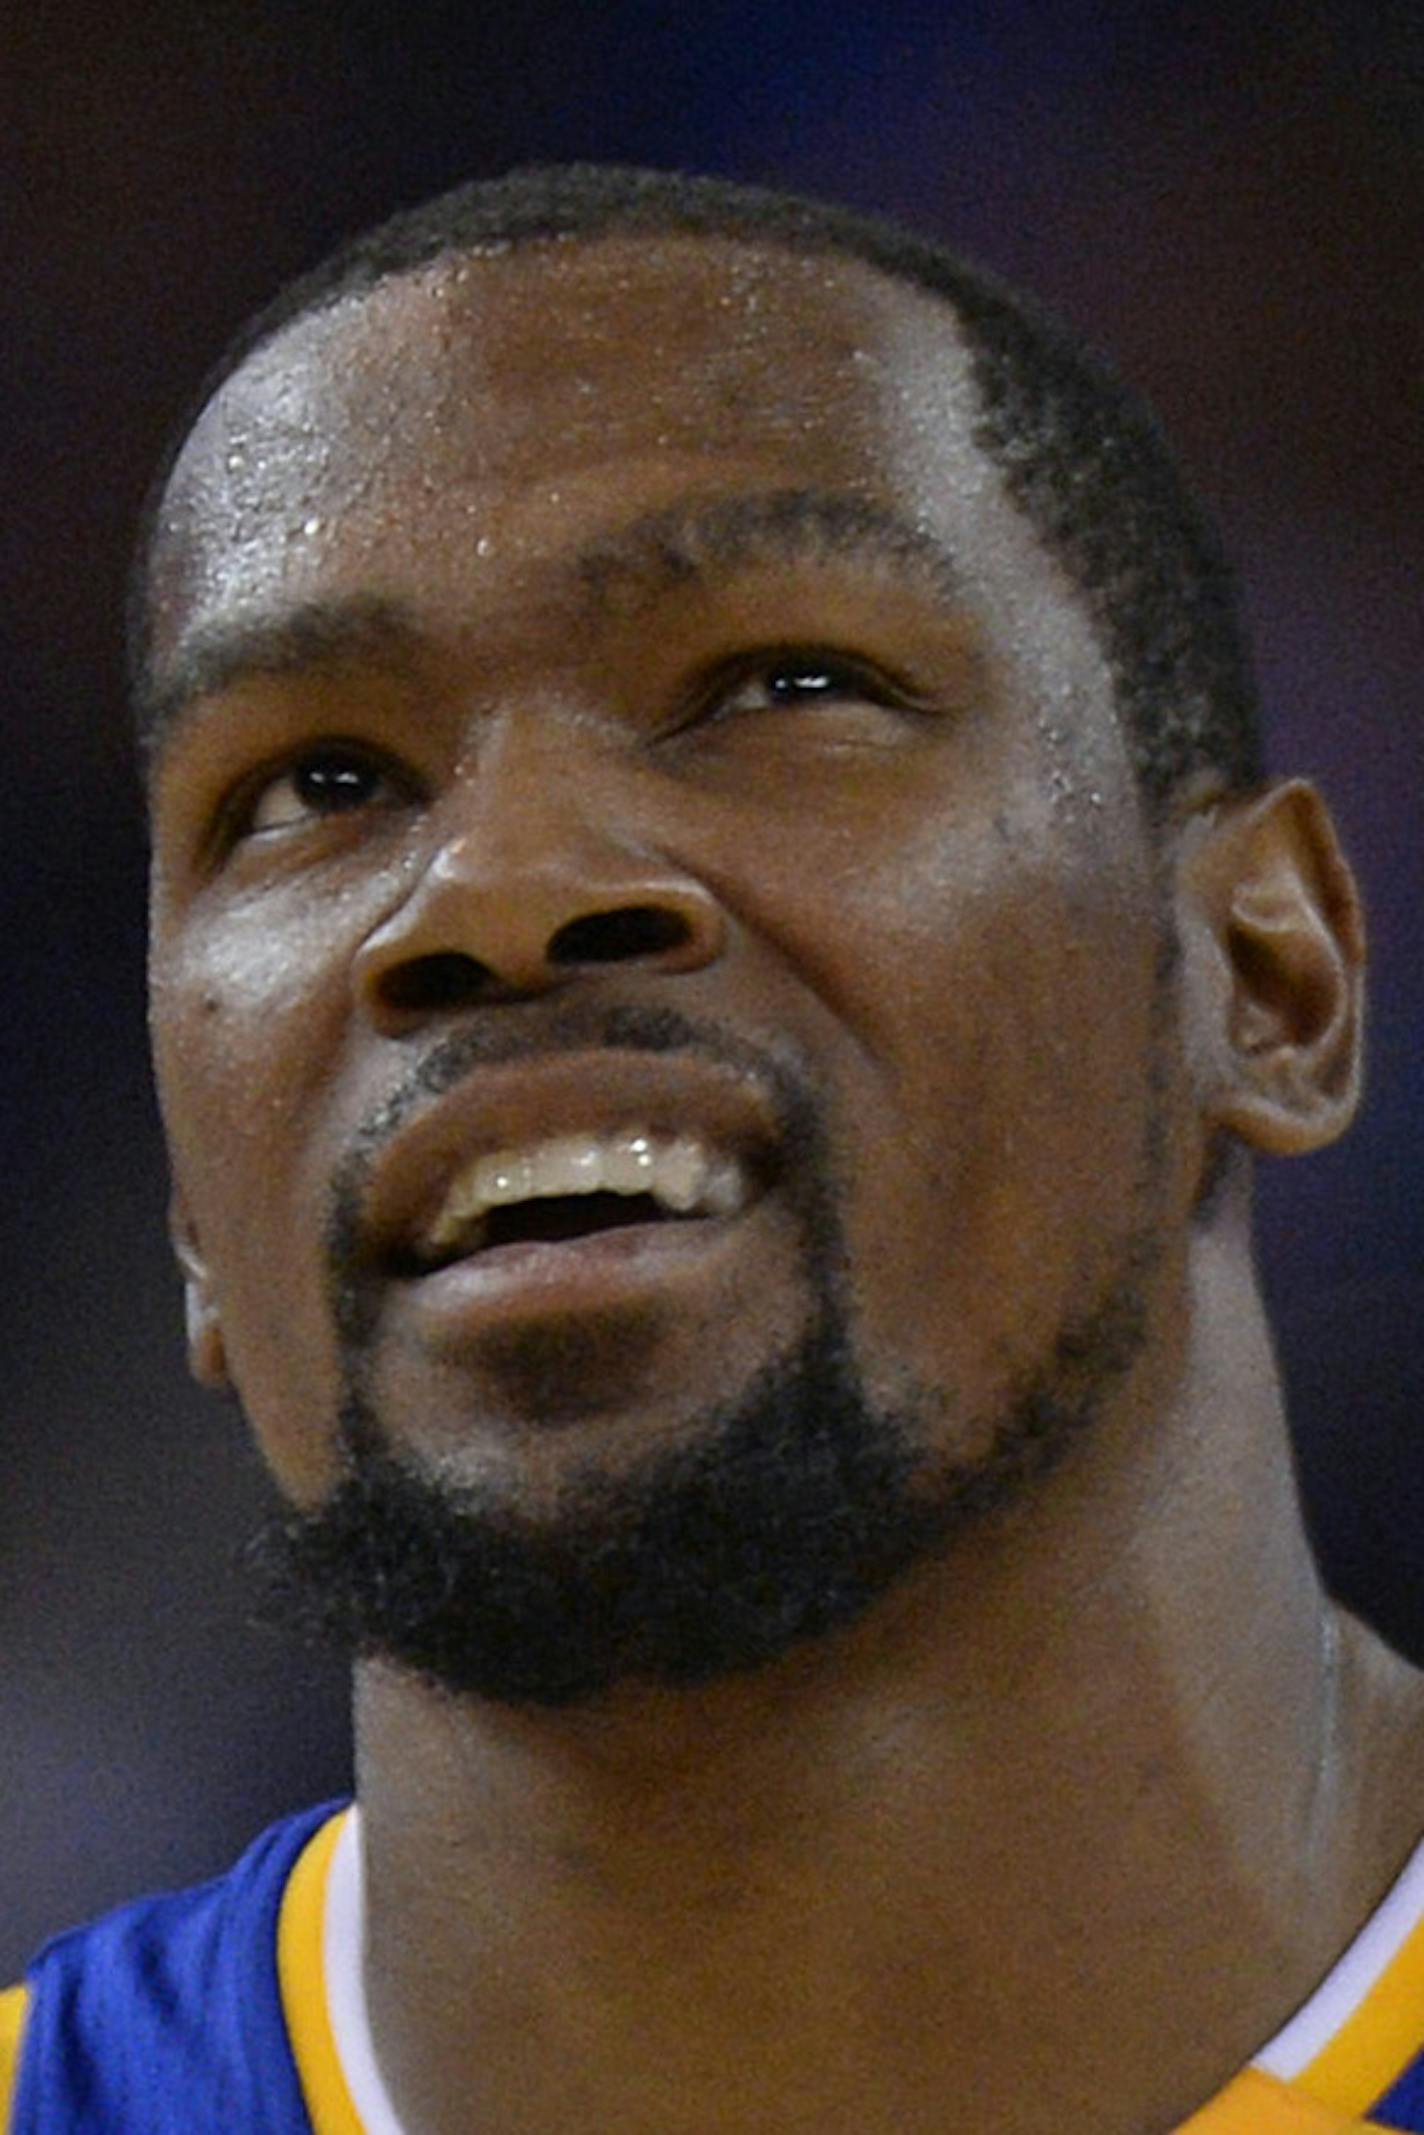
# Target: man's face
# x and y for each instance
(623, 724)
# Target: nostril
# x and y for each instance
(446, 980)
(523, 954)
(615, 937)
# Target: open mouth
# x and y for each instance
(561, 1219)
(575, 1187)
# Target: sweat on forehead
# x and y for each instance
(1080, 454)
(402, 368)
(779, 407)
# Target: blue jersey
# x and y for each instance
(168, 2016)
(208, 2013)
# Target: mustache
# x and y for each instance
(569, 1027)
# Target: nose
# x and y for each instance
(530, 888)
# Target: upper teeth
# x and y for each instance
(680, 1173)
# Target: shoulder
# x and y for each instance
(167, 2013)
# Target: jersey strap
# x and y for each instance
(166, 2016)
(1260, 2104)
(303, 1947)
(1356, 2045)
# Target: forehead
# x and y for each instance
(465, 387)
(451, 433)
(728, 339)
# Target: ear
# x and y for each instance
(207, 1359)
(1266, 892)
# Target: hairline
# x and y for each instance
(291, 309)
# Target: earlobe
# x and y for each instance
(1264, 884)
(207, 1358)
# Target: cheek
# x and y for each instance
(247, 1025)
(997, 1137)
(251, 992)
(249, 1028)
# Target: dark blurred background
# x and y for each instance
(1229, 200)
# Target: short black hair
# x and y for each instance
(1080, 453)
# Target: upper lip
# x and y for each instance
(599, 1091)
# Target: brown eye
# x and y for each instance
(324, 782)
(794, 684)
(808, 679)
(797, 680)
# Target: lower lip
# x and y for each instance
(638, 1264)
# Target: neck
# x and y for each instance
(1068, 1826)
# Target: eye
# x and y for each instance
(793, 679)
(334, 779)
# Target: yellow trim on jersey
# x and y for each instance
(1357, 2066)
(1378, 2040)
(1258, 2104)
(301, 1968)
(14, 2003)
(1366, 2055)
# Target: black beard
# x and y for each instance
(787, 1515)
(783, 1522)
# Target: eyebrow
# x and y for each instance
(686, 544)
(303, 639)
(702, 540)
